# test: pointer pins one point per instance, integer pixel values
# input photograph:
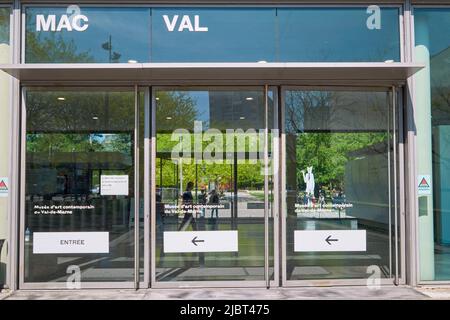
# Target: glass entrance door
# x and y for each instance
(340, 196)
(212, 201)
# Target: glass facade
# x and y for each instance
(432, 48)
(336, 144)
(79, 185)
(339, 176)
(209, 173)
(5, 57)
(94, 34)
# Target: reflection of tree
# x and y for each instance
(78, 123)
(176, 110)
(323, 128)
(440, 105)
(53, 49)
(328, 153)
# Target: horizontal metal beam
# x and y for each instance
(388, 73)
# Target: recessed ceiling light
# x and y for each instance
(132, 61)
(249, 98)
(61, 98)
(168, 118)
(94, 118)
(242, 118)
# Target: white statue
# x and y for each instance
(308, 178)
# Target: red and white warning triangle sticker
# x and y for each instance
(423, 183)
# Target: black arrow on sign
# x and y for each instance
(328, 239)
(194, 241)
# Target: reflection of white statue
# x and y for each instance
(308, 178)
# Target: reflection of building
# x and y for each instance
(236, 110)
(71, 173)
(440, 105)
(366, 184)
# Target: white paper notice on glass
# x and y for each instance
(70, 242)
(114, 185)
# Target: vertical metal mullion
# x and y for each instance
(283, 188)
(402, 183)
(13, 266)
(147, 188)
(394, 140)
(389, 184)
(266, 186)
(276, 188)
(153, 189)
(21, 194)
(136, 188)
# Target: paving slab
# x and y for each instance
(305, 293)
(436, 293)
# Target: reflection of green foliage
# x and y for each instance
(4, 25)
(179, 107)
(328, 153)
(58, 142)
(53, 49)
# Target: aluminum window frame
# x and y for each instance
(8, 236)
(393, 280)
(22, 284)
(421, 5)
(133, 4)
(272, 281)
(20, 5)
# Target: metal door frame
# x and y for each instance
(150, 204)
(396, 110)
(132, 283)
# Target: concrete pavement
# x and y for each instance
(304, 293)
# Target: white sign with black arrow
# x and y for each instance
(200, 241)
(329, 240)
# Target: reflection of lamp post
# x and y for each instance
(113, 55)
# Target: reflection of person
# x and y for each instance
(202, 198)
(187, 201)
(321, 199)
(214, 200)
(159, 211)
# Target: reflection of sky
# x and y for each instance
(129, 28)
(331, 34)
(202, 105)
(100, 138)
(435, 26)
(236, 34)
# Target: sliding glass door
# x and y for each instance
(213, 201)
(78, 195)
(340, 195)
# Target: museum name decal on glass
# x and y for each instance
(75, 21)
(59, 209)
